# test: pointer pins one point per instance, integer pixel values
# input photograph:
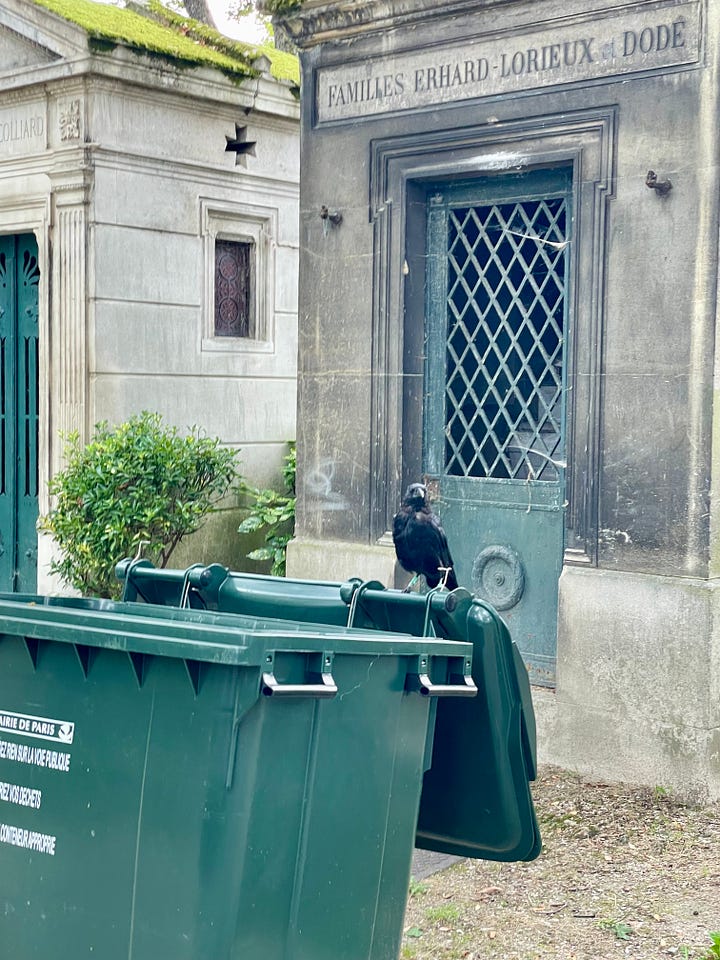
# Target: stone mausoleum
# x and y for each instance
(509, 287)
(148, 246)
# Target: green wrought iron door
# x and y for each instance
(19, 276)
(494, 409)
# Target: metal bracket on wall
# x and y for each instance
(329, 217)
(661, 187)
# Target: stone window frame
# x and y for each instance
(244, 223)
(399, 168)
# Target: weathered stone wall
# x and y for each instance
(163, 187)
(118, 164)
(398, 94)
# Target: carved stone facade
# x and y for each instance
(111, 161)
(69, 120)
(451, 310)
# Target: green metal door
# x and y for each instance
(494, 409)
(19, 276)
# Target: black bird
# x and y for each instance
(420, 542)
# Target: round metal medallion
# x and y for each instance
(498, 575)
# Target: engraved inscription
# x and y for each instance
(629, 43)
(21, 128)
(21, 131)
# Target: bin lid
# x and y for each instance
(476, 799)
(206, 635)
(214, 587)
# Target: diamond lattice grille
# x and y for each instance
(505, 303)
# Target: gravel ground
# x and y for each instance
(624, 872)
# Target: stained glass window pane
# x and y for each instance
(234, 288)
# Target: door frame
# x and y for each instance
(20, 454)
(33, 217)
(400, 169)
(31, 213)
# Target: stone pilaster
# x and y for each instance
(68, 328)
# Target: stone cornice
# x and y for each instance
(263, 94)
(318, 21)
(63, 53)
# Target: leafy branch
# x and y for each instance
(273, 513)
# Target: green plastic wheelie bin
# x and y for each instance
(476, 798)
(180, 784)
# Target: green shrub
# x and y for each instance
(714, 950)
(273, 513)
(141, 480)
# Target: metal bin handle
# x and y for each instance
(325, 690)
(422, 684)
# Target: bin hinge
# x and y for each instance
(357, 593)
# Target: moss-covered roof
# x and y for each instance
(167, 34)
